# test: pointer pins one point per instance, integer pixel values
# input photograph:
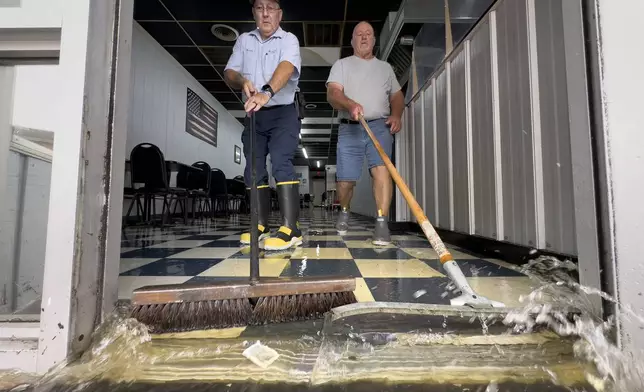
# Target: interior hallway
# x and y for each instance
(406, 271)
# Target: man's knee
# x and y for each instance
(345, 185)
(380, 173)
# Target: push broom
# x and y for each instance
(187, 307)
(468, 297)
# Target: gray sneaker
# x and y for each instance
(342, 224)
(381, 235)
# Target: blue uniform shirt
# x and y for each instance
(257, 60)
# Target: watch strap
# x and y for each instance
(268, 89)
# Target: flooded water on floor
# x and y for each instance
(553, 343)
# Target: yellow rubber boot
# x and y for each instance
(289, 234)
(264, 196)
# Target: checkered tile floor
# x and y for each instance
(406, 271)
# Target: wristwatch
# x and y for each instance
(267, 89)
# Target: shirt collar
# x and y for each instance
(279, 33)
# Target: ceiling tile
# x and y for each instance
(150, 10)
(166, 33)
(232, 105)
(187, 55)
(209, 10)
(218, 55)
(202, 35)
(299, 10)
(319, 96)
(334, 127)
(371, 10)
(204, 72)
(322, 34)
(321, 105)
(312, 87)
(315, 74)
(216, 86)
(318, 113)
(226, 96)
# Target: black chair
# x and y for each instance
(307, 200)
(130, 193)
(148, 167)
(200, 189)
(219, 192)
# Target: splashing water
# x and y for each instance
(566, 307)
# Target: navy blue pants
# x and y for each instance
(277, 132)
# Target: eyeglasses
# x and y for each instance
(270, 9)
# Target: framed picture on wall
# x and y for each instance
(201, 119)
(237, 155)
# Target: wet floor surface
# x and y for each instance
(406, 271)
(369, 352)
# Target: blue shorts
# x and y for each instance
(354, 144)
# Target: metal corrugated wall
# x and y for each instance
(483, 133)
(419, 172)
(559, 214)
(488, 149)
(428, 163)
(460, 162)
(442, 151)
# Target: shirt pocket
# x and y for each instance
(250, 62)
(270, 61)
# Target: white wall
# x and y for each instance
(302, 173)
(158, 109)
(318, 187)
(37, 87)
(33, 13)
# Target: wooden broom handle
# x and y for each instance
(449, 40)
(424, 223)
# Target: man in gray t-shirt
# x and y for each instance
(364, 85)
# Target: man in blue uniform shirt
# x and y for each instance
(265, 66)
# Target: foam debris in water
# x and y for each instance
(260, 355)
(420, 293)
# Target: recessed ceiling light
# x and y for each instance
(311, 106)
(224, 32)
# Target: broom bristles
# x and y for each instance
(191, 316)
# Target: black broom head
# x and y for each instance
(181, 308)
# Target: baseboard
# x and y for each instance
(486, 247)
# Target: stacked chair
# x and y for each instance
(148, 168)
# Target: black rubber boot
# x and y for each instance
(264, 196)
(289, 234)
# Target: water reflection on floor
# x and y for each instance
(369, 352)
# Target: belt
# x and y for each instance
(267, 108)
(347, 121)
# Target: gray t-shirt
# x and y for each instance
(368, 82)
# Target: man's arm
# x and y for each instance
(396, 97)
(290, 63)
(397, 102)
(335, 96)
(335, 89)
(232, 72)
(234, 79)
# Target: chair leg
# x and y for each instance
(166, 205)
